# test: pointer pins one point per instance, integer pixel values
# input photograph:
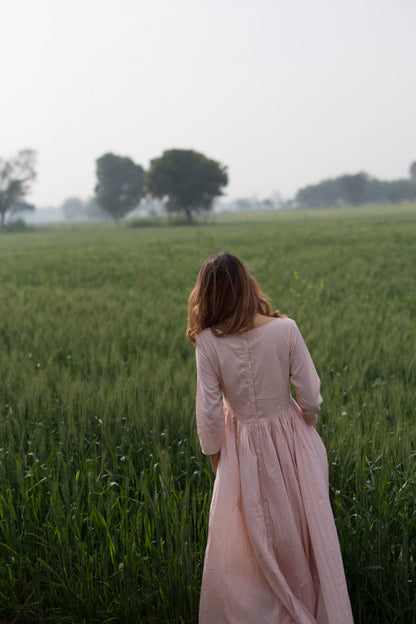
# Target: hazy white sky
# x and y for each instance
(285, 93)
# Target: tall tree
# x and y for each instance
(16, 176)
(119, 184)
(187, 180)
(412, 171)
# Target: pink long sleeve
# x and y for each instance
(209, 404)
(304, 377)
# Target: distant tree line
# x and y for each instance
(358, 189)
(77, 209)
(185, 180)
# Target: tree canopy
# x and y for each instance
(187, 180)
(119, 184)
(16, 176)
(353, 188)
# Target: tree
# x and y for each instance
(187, 180)
(399, 191)
(412, 172)
(325, 193)
(353, 188)
(120, 184)
(16, 176)
(93, 210)
(73, 208)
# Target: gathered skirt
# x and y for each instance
(273, 554)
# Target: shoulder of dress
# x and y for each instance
(286, 322)
(202, 337)
(286, 329)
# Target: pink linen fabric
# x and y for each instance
(273, 554)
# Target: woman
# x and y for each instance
(273, 555)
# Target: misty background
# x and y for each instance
(283, 94)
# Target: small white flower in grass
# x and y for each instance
(113, 483)
(30, 355)
(38, 365)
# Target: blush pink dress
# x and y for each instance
(273, 554)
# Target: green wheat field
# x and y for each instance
(104, 492)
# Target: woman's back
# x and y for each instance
(253, 371)
(270, 513)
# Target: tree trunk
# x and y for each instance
(188, 212)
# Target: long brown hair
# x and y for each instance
(225, 297)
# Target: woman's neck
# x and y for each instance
(260, 320)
